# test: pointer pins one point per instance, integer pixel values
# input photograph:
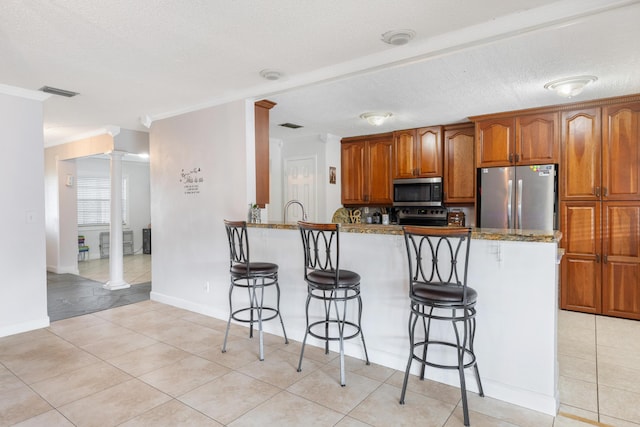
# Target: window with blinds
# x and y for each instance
(94, 200)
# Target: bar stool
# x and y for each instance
(438, 291)
(254, 277)
(326, 282)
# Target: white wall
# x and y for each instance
(326, 149)
(61, 221)
(139, 199)
(23, 290)
(190, 245)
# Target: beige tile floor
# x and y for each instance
(136, 269)
(150, 364)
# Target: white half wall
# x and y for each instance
(23, 291)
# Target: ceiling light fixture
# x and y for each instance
(270, 74)
(398, 37)
(375, 119)
(570, 86)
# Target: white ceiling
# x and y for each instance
(157, 58)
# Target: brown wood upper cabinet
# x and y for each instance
(621, 151)
(581, 142)
(527, 139)
(417, 152)
(366, 170)
(459, 165)
(601, 153)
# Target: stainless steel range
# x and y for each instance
(427, 216)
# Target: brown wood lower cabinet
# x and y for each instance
(601, 266)
(621, 259)
(580, 269)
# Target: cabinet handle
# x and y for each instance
(510, 157)
(604, 191)
(597, 191)
(597, 259)
(605, 259)
(517, 157)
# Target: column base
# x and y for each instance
(114, 286)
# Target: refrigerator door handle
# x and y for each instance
(509, 198)
(519, 203)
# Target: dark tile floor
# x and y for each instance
(69, 295)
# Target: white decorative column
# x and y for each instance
(116, 280)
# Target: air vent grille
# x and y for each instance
(290, 125)
(60, 92)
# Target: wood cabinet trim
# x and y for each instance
(560, 107)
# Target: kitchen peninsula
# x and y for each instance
(514, 272)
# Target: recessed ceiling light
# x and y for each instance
(60, 92)
(270, 74)
(570, 86)
(398, 37)
(375, 119)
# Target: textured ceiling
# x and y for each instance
(153, 58)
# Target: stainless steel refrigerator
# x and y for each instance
(518, 197)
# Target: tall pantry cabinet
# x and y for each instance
(600, 209)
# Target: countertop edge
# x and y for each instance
(477, 233)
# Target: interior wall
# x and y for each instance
(23, 293)
(332, 199)
(326, 149)
(198, 177)
(62, 247)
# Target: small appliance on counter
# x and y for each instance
(455, 218)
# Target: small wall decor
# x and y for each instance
(332, 174)
(191, 180)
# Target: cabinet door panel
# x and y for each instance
(459, 166)
(621, 267)
(429, 148)
(353, 169)
(404, 154)
(581, 155)
(495, 142)
(580, 267)
(380, 188)
(621, 152)
(537, 139)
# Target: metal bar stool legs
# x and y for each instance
(331, 301)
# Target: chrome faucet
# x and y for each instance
(294, 202)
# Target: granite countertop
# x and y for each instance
(477, 233)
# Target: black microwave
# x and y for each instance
(417, 192)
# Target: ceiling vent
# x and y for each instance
(290, 125)
(60, 92)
